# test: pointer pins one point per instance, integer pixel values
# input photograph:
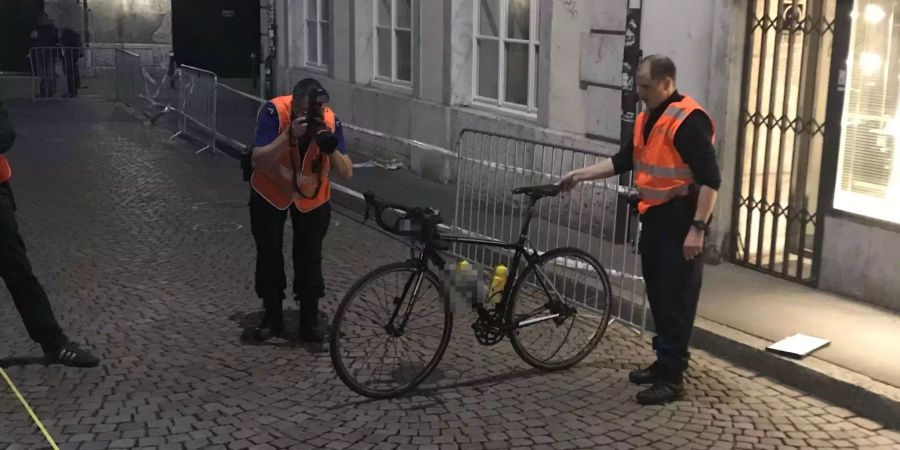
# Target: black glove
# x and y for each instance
(327, 142)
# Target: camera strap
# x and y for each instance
(304, 142)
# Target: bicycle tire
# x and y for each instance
(603, 302)
(339, 331)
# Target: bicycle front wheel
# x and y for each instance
(390, 330)
(559, 309)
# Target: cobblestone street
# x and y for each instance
(145, 251)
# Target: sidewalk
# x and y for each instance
(864, 339)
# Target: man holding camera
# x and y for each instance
(15, 269)
(299, 141)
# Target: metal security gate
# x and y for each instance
(776, 223)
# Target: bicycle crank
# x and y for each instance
(486, 330)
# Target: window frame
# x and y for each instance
(851, 201)
(393, 79)
(531, 108)
(322, 17)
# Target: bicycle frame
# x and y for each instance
(430, 253)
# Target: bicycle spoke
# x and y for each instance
(546, 304)
(368, 357)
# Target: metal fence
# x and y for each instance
(235, 107)
(160, 87)
(594, 216)
(129, 82)
(56, 71)
(197, 104)
(68, 72)
(150, 90)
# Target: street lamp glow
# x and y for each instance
(873, 13)
(869, 62)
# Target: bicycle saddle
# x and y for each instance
(538, 192)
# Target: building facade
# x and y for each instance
(141, 26)
(803, 92)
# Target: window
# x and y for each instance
(393, 40)
(868, 177)
(318, 48)
(506, 53)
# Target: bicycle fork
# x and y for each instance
(414, 282)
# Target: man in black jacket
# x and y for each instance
(15, 269)
(677, 177)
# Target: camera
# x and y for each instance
(316, 100)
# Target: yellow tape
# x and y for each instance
(30, 411)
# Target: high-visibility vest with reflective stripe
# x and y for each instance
(5, 169)
(659, 172)
(292, 180)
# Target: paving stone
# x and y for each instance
(145, 251)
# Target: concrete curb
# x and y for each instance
(842, 387)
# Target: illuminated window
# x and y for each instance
(868, 177)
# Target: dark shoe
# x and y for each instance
(268, 329)
(73, 356)
(263, 333)
(660, 393)
(311, 334)
(644, 376)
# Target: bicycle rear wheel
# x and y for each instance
(560, 309)
(379, 357)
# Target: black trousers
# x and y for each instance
(25, 289)
(673, 284)
(309, 229)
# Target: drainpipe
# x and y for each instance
(86, 34)
(268, 44)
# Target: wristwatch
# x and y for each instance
(700, 225)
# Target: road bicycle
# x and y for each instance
(393, 326)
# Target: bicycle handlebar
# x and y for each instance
(413, 221)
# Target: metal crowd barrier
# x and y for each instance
(56, 71)
(129, 82)
(235, 107)
(197, 104)
(160, 89)
(594, 216)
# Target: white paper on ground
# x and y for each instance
(798, 345)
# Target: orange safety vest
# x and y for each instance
(294, 181)
(659, 172)
(5, 169)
